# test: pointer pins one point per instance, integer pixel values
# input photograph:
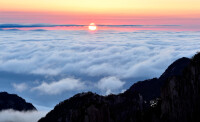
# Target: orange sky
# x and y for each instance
(100, 11)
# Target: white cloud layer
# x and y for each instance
(60, 86)
(16, 116)
(57, 55)
(107, 85)
(20, 87)
(108, 53)
(110, 84)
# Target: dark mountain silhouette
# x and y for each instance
(12, 101)
(173, 97)
(150, 89)
(90, 107)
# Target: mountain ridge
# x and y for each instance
(144, 101)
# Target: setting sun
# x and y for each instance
(92, 27)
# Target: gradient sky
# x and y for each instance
(100, 11)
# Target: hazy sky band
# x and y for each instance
(69, 25)
(102, 19)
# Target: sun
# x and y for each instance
(92, 27)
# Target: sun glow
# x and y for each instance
(92, 27)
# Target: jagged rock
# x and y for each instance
(12, 101)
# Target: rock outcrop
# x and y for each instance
(12, 101)
(181, 95)
(173, 97)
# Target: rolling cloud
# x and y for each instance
(106, 85)
(106, 53)
(110, 84)
(16, 116)
(58, 87)
(20, 87)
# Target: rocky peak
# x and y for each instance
(176, 68)
(12, 101)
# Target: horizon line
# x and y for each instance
(14, 25)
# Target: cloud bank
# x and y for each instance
(104, 53)
(110, 84)
(106, 85)
(16, 116)
(58, 87)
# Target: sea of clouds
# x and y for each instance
(50, 66)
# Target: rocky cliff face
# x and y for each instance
(150, 89)
(173, 97)
(181, 95)
(90, 107)
(12, 101)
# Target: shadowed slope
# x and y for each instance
(174, 97)
(12, 101)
